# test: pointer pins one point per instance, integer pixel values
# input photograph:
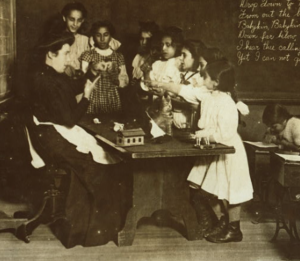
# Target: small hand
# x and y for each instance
(109, 66)
(100, 66)
(270, 138)
(202, 134)
(123, 80)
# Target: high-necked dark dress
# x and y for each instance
(96, 200)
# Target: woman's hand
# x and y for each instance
(89, 87)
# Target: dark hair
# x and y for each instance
(196, 48)
(223, 72)
(104, 23)
(275, 113)
(175, 33)
(74, 6)
(148, 26)
(51, 42)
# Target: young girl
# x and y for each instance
(191, 55)
(165, 70)
(110, 65)
(148, 31)
(74, 15)
(283, 127)
(225, 176)
(190, 68)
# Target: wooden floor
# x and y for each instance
(157, 244)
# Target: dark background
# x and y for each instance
(212, 21)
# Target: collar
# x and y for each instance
(106, 52)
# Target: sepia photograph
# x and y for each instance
(150, 130)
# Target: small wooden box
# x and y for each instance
(132, 137)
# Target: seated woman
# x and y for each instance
(93, 204)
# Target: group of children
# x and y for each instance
(166, 65)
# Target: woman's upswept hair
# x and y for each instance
(74, 6)
(175, 33)
(275, 113)
(104, 23)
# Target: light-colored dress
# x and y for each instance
(226, 176)
(80, 45)
(166, 71)
(291, 131)
(182, 118)
(137, 62)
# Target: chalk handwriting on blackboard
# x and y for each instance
(268, 31)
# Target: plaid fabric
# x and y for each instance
(105, 98)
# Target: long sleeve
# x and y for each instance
(54, 99)
(192, 94)
(292, 131)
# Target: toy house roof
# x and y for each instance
(132, 132)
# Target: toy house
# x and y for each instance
(132, 137)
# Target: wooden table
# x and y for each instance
(159, 172)
(259, 166)
(286, 171)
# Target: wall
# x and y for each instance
(7, 46)
(209, 20)
(193, 16)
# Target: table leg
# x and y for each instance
(280, 219)
(160, 190)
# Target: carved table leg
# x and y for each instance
(160, 190)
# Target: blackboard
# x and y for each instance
(260, 37)
(268, 49)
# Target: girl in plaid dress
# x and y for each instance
(110, 65)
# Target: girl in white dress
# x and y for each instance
(225, 176)
(165, 70)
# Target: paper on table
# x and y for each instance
(289, 157)
(261, 144)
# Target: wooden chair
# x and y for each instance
(46, 183)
